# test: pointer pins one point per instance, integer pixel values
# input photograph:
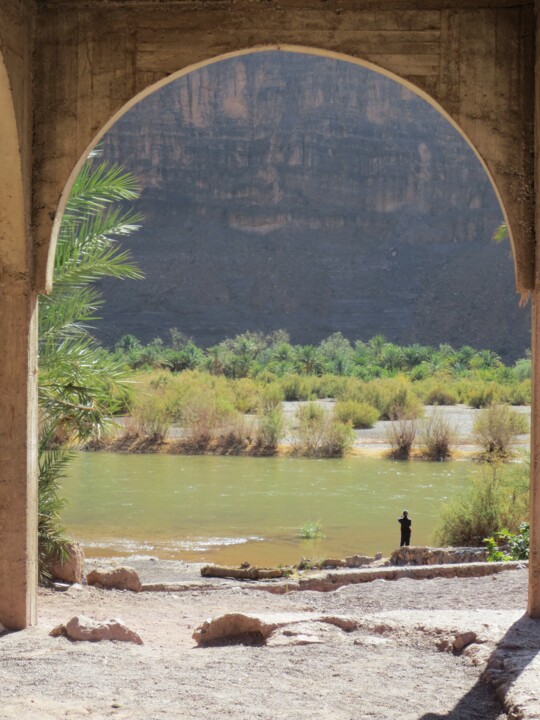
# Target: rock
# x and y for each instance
(461, 640)
(72, 570)
(358, 560)
(304, 633)
(58, 631)
(120, 578)
(244, 572)
(237, 627)
(437, 556)
(84, 628)
(333, 563)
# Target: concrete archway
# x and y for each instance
(72, 72)
(18, 478)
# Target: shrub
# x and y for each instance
(480, 395)
(246, 395)
(401, 435)
(337, 441)
(393, 398)
(505, 545)
(494, 500)
(272, 396)
(358, 415)
(436, 393)
(295, 388)
(496, 430)
(271, 428)
(205, 417)
(311, 529)
(520, 393)
(331, 386)
(522, 369)
(437, 436)
(319, 434)
(236, 434)
(152, 416)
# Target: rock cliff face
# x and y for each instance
(297, 192)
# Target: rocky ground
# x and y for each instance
(398, 663)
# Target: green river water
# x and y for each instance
(236, 509)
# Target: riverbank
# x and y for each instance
(370, 442)
(397, 663)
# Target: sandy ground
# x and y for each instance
(392, 666)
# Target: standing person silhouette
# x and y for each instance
(405, 523)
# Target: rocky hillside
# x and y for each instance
(297, 192)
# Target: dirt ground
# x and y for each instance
(394, 665)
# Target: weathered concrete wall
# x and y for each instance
(477, 63)
(18, 373)
(534, 549)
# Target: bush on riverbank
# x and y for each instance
(401, 435)
(319, 434)
(271, 428)
(496, 499)
(437, 436)
(357, 414)
(496, 430)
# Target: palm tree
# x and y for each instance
(80, 384)
(308, 359)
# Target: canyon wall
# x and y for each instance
(304, 193)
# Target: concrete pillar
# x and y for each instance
(18, 371)
(18, 452)
(534, 553)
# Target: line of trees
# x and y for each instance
(251, 354)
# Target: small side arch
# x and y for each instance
(523, 266)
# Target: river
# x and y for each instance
(236, 509)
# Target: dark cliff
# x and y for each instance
(296, 192)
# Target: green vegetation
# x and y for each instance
(498, 498)
(437, 436)
(358, 414)
(80, 384)
(505, 546)
(496, 430)
(311, 529)
(401, 435)
(207, 392)
(320, 434)
(441, 375)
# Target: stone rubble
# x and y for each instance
(437, 555)
(72, 570)
(84, 628)
(236, 627)
(119, 578)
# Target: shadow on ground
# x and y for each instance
(496, 692)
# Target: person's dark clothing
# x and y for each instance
(405, 531)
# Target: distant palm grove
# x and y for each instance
(267, 358)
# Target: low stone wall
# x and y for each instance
(327, 582)
(437, 556)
